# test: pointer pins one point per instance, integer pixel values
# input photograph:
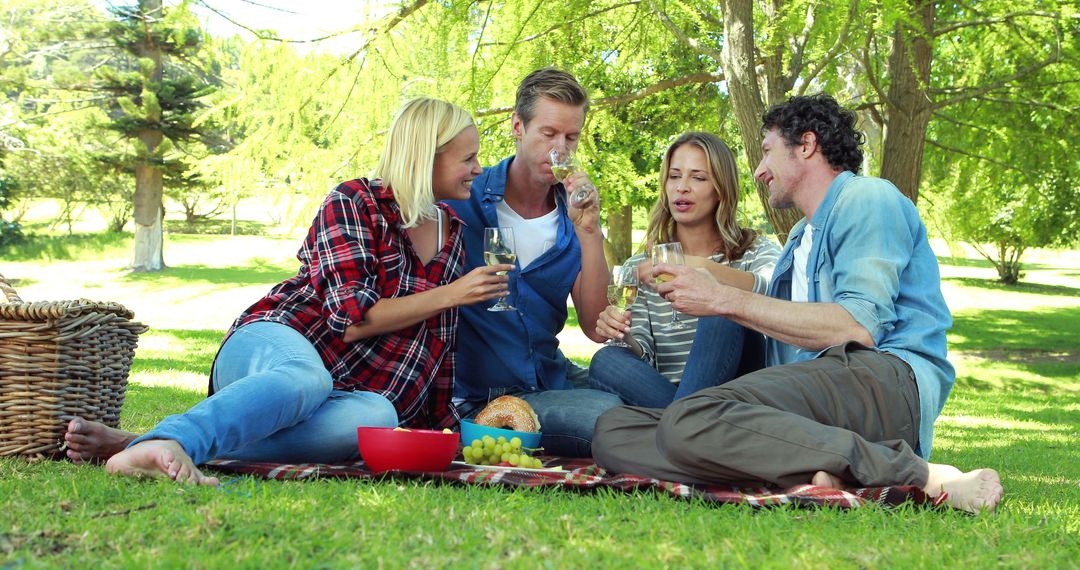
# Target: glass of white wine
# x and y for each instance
(622, 292)
(671, 254)
(563, 164)
(498, 249)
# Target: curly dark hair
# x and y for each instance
(820, 114)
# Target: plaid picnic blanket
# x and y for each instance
(583, 474)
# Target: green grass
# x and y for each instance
(1015, 407)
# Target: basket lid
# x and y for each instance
(12, 307)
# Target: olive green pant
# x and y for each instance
(852, 412)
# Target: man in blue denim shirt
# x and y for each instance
(856, 323)
(560, 252)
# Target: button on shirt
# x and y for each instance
(508, 351)
(871, 256)
(356, 253)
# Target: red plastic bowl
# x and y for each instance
(385, 449)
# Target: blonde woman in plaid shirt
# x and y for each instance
(362, 335)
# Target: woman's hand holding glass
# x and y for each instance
(499, 250)
(480, 285)
(621, 294)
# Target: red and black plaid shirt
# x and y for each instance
(356, 253)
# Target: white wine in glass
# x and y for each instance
(563, 164)
(671, 254)
(498, 249)
(622, 292)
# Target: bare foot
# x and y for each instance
(158, 458)
(823, 479)
(89, 441)
(973, 491)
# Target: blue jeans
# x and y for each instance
(713, 360)
(274, 401)
(567, 417)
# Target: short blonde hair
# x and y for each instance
(734, 240)
(548, 83)
(420, 130)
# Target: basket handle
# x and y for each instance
(9, 291)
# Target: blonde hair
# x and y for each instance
(420, 131)
(548, 83)
(734, 241)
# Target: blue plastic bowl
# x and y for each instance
(471, 431)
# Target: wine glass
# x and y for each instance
(671, 254)
(563, 164)
(622, 292)
(498, 249)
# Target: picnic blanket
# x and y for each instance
(584, 475)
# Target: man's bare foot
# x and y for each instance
(90, 441)
(823, 479)
(973, 491)
(158, 458)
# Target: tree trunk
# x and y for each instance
(908, 105)
(739, 69)
(149, 209)
(620, 240)
(148, 217)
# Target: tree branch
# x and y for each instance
(998, 20)
(681, 35)
(932, 142)
(554, 28)
(800, 47)
(631, 96)
(871, 75)
(841, 40)
(973, 93)
(270, 36)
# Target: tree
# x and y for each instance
(154, 107)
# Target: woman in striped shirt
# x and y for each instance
(699, 194)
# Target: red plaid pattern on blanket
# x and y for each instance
(583, 474)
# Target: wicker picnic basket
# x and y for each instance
(58, 360)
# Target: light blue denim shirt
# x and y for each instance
(499, 352)
(870, 255)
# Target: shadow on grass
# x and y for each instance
(1044, 329)
(216, 227)
(183, 350)
(984, 263)
(64, 247)
(1022, 287)
(258, 272)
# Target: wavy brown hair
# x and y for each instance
(724, 174)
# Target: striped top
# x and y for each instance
(667, 350)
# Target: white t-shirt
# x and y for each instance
(799, 282)
(531, 237)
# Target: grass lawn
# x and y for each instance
(1016, 407)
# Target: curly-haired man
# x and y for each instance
(856, 324)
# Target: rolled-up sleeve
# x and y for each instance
(870, 247)
(344, 263)
(760, 262)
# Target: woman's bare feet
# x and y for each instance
(93, 441)
(158, 458)
(823, 479)
(974, 491)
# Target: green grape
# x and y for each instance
(467, 453)
(502, 439)
(488, 438)
(515, 443)
(515, 459)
